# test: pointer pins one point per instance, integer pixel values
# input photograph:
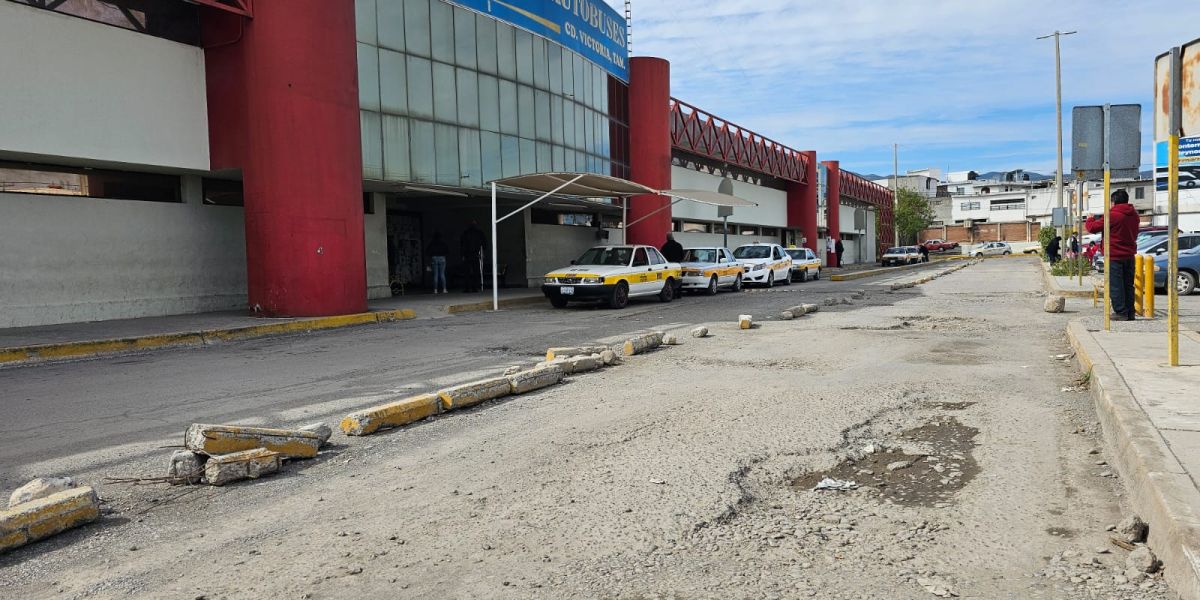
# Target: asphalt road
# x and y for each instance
(53, 413)
(687, 472)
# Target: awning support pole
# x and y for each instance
(495, 261)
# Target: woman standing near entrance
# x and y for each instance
(437, 252)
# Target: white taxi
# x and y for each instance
(613, 275)
(805, 264)
(710, 268)
(764, 263)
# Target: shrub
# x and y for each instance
(1071, 266)
(1045, 236)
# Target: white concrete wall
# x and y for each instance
(699, 240)
(78, 89)
(375, 238)
(771, 210)
(551, 247)
(68, 259)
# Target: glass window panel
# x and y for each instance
(577, 68)
(395, 148)
(364, 21)
(541, 114)
(580, 128)
(556, 119)
(420, 87)
(485, 35)
(510, 155)
(506, 51)
(416, 26)
(76, 182)
(490, 156)
(524, 57)
(421, 150)
(589, 122)
(464, 38)
(508, 107)
(568, 73)
(528, 156)
(445, 99)
(569, 122)
(368, 77)
(390, 24)
(526, 123)
(598, 87)
(441, 31)
(541, 79)
(554, 54)
(445, 144)
(560, 161)
(393, 82)
(489, 103)
(468, 98)
(544, 157)
(604, 92)
(469, 162)
(372, 144)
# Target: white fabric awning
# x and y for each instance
(584, 184)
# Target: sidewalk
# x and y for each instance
(80, 340)
(1070, 287)
(1150, 415)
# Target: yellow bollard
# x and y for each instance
(1148, 277)
(1139, 285)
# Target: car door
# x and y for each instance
(642, 280)
(783, 263)
(660, 264)
(725, 267)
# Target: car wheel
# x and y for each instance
(803, 275)
(787, 279)
(1185, 283)
(978, 255)
(1006, 252)
(558, 302)
(711, 290)
(771, 279)
(668, 292)
(620, 296)
(817, 275)
(737, 283)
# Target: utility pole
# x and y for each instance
(1058, 175)
(895, 194)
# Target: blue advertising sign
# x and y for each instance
(1189, 164)
(590, 27)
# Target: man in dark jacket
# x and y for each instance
(1123, 229)
(1053, 249)
(838, 247)
(672, 250)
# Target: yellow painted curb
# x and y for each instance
(505, 303)
(393, 414)
(44, 517)
(194, 338)
(227, 439)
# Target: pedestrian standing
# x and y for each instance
(837, 245)
(1053, 248)
(437, 251)
(1074, 246)
(672, 250)
(1119, 265)
(924, 253)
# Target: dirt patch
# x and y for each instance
(927, 479)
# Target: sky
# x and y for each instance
(958, 84)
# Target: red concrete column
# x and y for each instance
(289, 120)
(802, 203)
(833, 204)
(649, 147)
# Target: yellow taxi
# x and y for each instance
(613, 275)
(805, 264)
(710, 268)
(764, 263)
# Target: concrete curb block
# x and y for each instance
(642, 343)
(1053, 288)
(455, 309)
(535, 379)
(248, 464)
(392, 414)
(470, 394)
(37, 519)
(226, 439)
(569, 351)
(86, 349)
(1159, 488)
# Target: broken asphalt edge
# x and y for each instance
(92, 348)
(1160, 490)
(1053, 287)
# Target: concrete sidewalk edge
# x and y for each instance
(487, 305)
(1053, 287)
(1160, 490)
(90, 348)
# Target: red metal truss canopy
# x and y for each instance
(697, 132)
(244, 8)
(869, 192)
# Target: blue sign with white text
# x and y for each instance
(590, 27)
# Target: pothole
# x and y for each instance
(930, 478)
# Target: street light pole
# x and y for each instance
(895, 193)
(1058, 176)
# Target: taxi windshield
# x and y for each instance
(612, 257)
(753, 252)
(796, 253)
(704, 255)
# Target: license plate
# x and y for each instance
(566, 290)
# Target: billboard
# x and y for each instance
(1189, 143)
(590, 27)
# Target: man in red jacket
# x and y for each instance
(1123, 247)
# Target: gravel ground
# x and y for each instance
(684, 473)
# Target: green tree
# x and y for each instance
(913, 215)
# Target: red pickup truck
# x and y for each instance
(939, 245)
